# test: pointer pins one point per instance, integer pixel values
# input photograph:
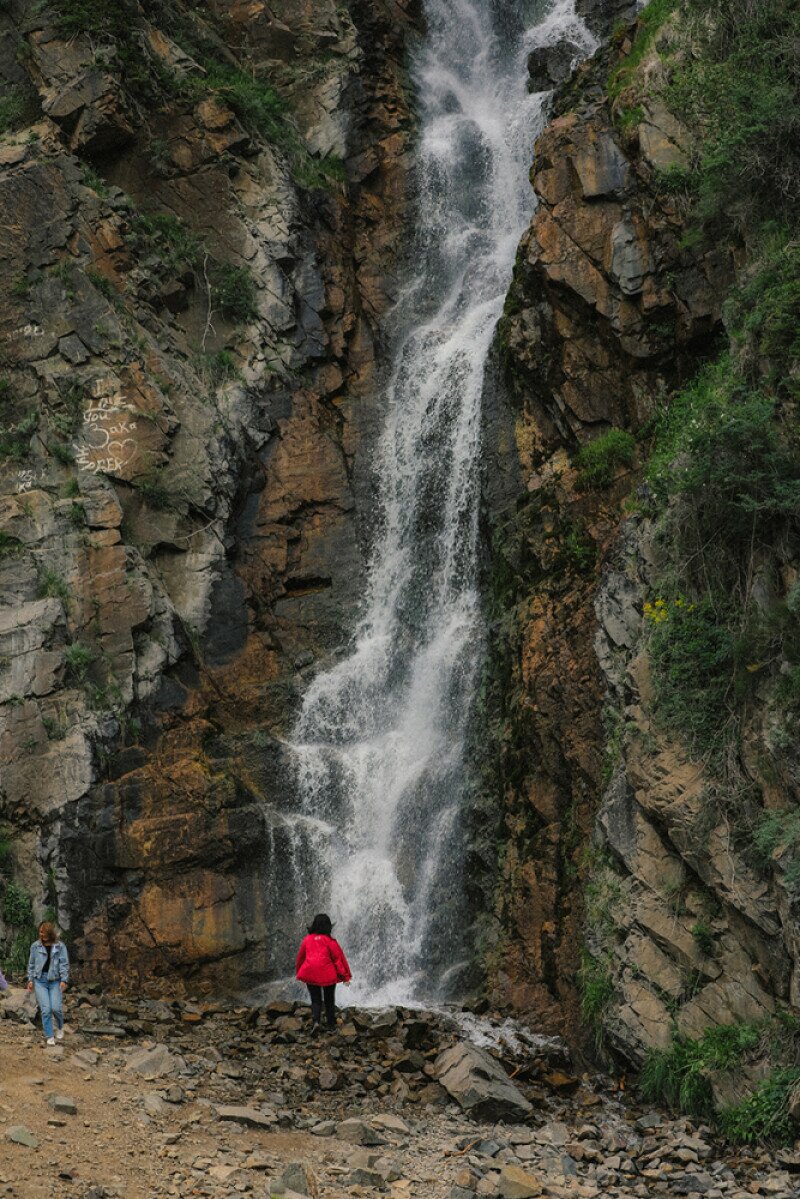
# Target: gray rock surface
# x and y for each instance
(479, 1084)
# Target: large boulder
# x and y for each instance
(479, 1085)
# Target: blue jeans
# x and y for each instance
(48, 996)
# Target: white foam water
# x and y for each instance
(378, 746)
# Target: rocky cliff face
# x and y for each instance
(201, 219)
(612, 307)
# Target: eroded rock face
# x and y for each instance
(189, 341)
(607, 312)
(613, 834)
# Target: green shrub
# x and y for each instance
(94, 181)
(155, 493)
(77, 516)
(694, 662)
(780, 830)
(17, 906)
(15, 440)
(704, 938)
(218, 367)
(598, 461)
(764, 317)
(78, 658)
(12, 109)
(624, 76)
(9, 545)
(16, 960)
(234, 290)
(596, 990)
(678, 1077)
(62, 452)
(252, 99)
(763, 1117)
(168, 238)
(97, 18)
(5, 853)
(103, 285)
(52, 585)
(736, 86)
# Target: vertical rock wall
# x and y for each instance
(607, 312)
(195, 280)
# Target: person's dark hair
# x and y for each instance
(321, 924)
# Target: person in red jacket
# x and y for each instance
(321, 964)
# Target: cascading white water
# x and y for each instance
(379, 742)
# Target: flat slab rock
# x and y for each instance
(479, 1085)
(20, 1135)
(155, 1063)
(245, 1115)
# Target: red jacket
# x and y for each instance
(321, 962)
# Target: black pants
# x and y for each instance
(316, 994)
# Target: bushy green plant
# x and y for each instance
(12, 108)
(764, 318)
(8, 545)
(234, 290)
(5, 853)
(254, 101)
(718, 444)
(704, 939)
(736, 85)
(678, 1076)
(694, 659)
(93, 180)
(16, 960)
(17, 906)
(103, 285)
(15, 439)
(169, 239)
(650, 22)
(763, 1117)
(62, 452)
(598, 461)
(155, 493)
(53, 585)
(596, 989)
(78, 658)
(218, 367)
(780, 830)
(97, 18)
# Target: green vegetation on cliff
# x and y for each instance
(682, 1078)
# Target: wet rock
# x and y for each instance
(549, 65)
(479, 1085)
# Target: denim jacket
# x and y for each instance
(59, 962)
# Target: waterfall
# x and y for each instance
(378, 746)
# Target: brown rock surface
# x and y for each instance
(179, 496)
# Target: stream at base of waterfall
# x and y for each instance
(378, 748)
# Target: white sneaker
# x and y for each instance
(51, 1040)
(59, 1034)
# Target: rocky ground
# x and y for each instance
(149, 1099)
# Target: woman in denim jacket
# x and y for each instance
(48, 972)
